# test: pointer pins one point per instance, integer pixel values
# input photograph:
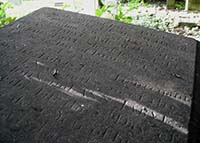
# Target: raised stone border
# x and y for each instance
(194, 124)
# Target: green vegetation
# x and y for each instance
(180, 5)
(103, 9)
(120, 11)
(151, 21)
(117, 12)
(167, 25)
(133, 12)
(121, 15)
(4, 19)
(65, 6)
(134, 4)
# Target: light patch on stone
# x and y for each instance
(66, 90)
(144, 110)
(40, 63)
(166, 91)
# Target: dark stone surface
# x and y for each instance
(73, 78)
(194, 124)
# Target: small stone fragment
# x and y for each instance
(177, 76)
(55, 72)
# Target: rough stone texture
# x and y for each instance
(194, 125)
(73, 78)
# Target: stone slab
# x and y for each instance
(68, 77)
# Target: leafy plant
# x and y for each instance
(4, 20)
(121, 10)
(103, 9)
(134, 4)
(121, 15)
(116, 11)
(180, 5)
(65, 6)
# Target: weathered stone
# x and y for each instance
(116, 82)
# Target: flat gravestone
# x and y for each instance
(73, 78)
